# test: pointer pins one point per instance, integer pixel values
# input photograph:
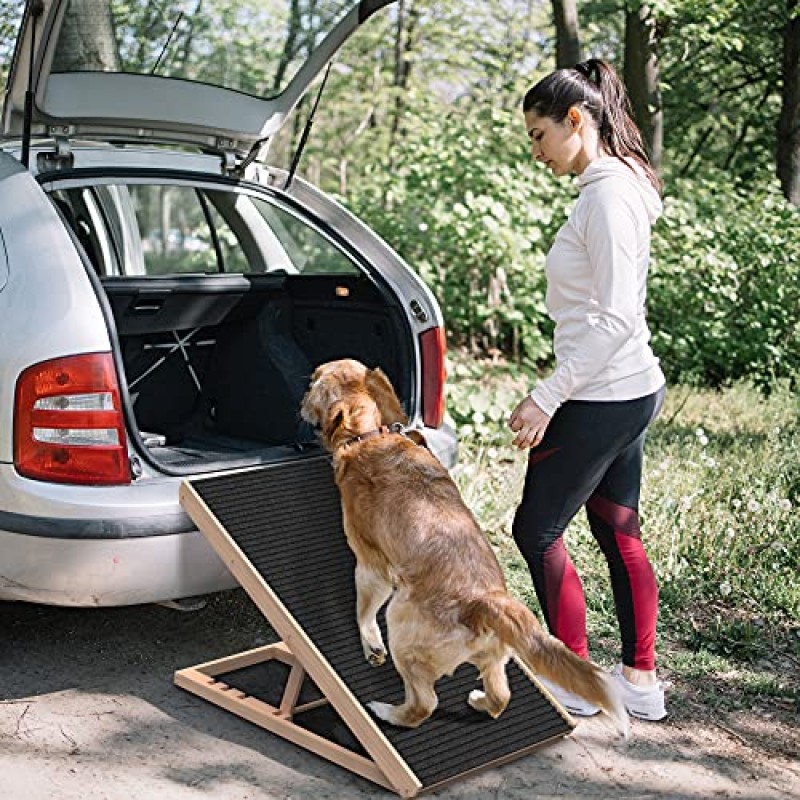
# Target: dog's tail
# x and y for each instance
(517, 627)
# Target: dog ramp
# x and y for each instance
(278, 529)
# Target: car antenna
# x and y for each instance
(36, 11)
(167, 43)
(306, 131)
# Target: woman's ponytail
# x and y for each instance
(594, 85)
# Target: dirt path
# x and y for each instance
(88, 710)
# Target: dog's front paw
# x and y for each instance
(381, 710)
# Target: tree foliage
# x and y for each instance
(721, 71)
(459, 209)
(725, 283)
(10, 18)
(420, 133)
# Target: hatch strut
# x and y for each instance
(36, 11)
(306, 131)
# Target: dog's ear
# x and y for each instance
(381, 391)
(337, 417)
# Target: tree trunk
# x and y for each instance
(188, 40)
(165, 217)
(407, 19)
(87, 39)
(641, 79)
(788, 151)
(568, 43)
(293, 29)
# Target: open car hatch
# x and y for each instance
(134, 70)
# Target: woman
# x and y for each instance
(586, 422)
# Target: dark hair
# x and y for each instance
(594, 85)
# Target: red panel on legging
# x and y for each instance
(645, 598)
(643, 589)
(565, 601)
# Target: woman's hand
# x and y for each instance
(529, 422)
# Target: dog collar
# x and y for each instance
(395, 427)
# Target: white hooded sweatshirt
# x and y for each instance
(596, 290)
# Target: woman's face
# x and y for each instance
(556, 144)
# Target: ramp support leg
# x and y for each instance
(203, 681)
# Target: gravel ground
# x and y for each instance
(88, 710)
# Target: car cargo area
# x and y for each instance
(223, 302)
(216, 366)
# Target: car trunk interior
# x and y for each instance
(216, 366)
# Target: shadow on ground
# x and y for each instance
(89, 710)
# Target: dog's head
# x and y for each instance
(345, 399)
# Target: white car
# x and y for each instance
(164, 296)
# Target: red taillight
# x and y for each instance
(432, 344)
(68, 423)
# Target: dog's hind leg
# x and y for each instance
(496, 694)
(420, 700)
(372, 591)
(421, 658)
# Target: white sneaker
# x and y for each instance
(572, 702)
(642, 702)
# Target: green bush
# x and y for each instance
(725, 284)
(468, 210)
(481, 395)
(466, 207)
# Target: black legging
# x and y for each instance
(591, 455)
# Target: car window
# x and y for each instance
(142, 229)
(309, 251)
(175, 229)
(81, 211)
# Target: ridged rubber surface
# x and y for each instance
(287, 521)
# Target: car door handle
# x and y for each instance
(148, 306)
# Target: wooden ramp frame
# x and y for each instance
(292, 559)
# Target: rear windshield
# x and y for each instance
(252, 46)
(155, 230)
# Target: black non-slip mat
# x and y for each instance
(286, 519)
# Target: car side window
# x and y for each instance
(142, 230)
(309, 251)
(176, 230)
(134, 229)
(81, 211)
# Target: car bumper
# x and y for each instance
(108, 572)
(443, 443)
(96, 546)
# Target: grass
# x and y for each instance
(720, 517)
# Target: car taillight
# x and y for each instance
(432, 345)
(68, 423)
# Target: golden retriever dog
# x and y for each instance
(416, 542)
